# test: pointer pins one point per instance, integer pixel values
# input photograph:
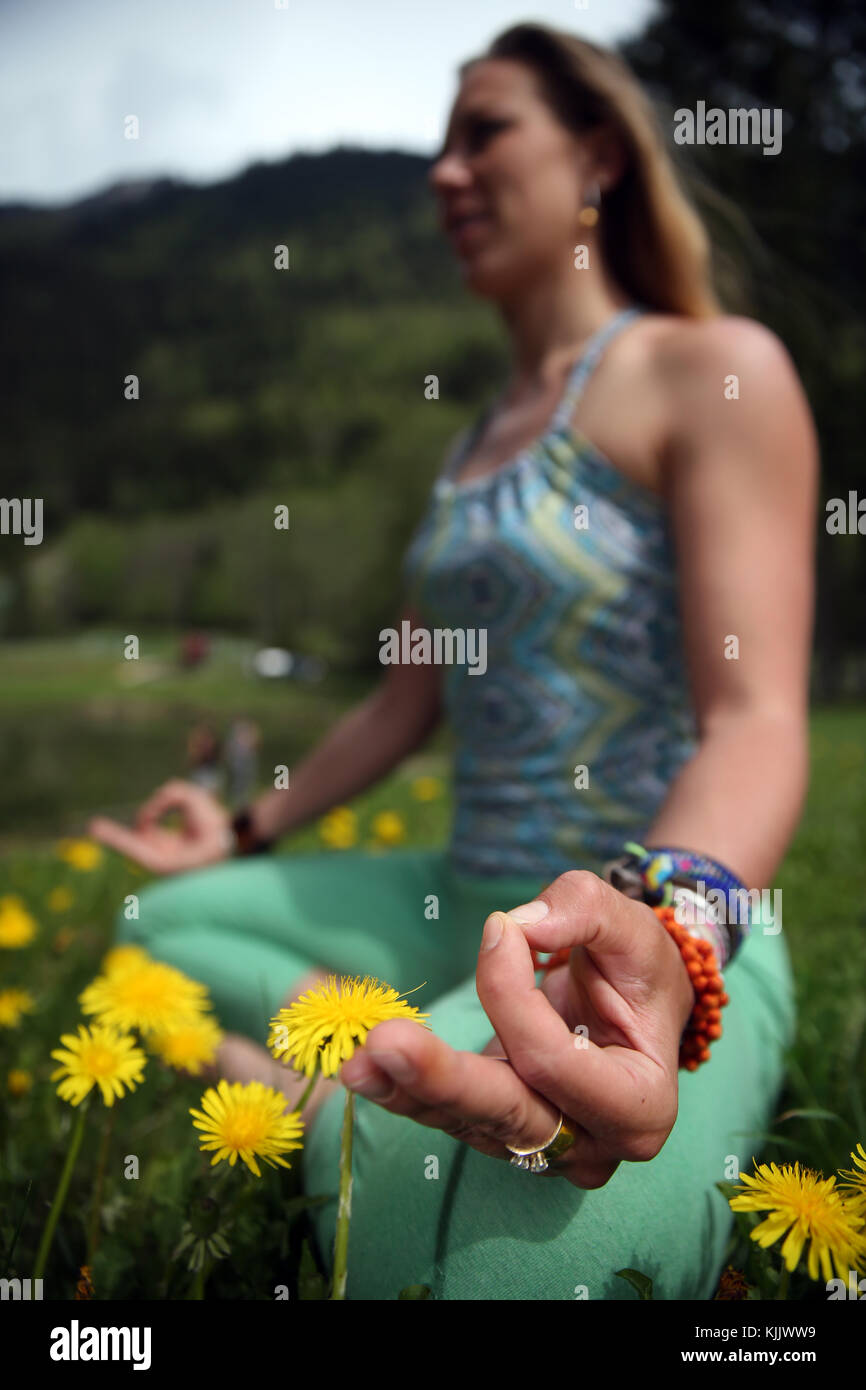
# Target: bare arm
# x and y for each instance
(361, 748)
(742, 482)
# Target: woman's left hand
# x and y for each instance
(598, 1041)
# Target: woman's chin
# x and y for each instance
(485, 276)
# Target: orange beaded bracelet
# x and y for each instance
(705, 1020)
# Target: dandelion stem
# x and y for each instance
(344, 1210)
(11, 1251)
(96, 1205)
(199, 1280)
(60, 1194)
(307, 1089)
(784, 1279)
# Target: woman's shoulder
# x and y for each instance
(682, 349)
(677, 342)
(698, 365)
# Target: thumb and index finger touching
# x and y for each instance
(583, 910)
(128, 840)
(591, 1082)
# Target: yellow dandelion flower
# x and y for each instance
(808, 1208)
(100, 1056)
(148, 997)
(854, 1190)
(17, 926)
(121, 958)
(80, 854)
(325, 1024)
(60, 899)
(426, 788)
(339, 828)
(247, 1121)
(14, 1003)
(389, 828)
(188, 1046)
(18, 1082)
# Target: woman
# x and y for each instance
(646, 599)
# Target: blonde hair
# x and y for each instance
(652, 237)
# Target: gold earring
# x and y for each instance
(588, 214)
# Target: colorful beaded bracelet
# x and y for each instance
(659, 876)
(705, 1021)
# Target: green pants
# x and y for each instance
(427, 1209)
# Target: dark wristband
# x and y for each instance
(246, 840)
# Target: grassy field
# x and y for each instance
(115, 742)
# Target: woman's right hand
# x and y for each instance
(597, 1044)
(205, 835)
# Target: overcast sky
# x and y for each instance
(216, 84)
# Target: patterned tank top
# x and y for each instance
(567, 742)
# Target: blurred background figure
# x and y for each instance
(194, 650)
(203, 758)
(241, 759)
(276, 663)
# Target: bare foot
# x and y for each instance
(315, 977)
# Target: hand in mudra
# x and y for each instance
(204, 836)
(615, 1081)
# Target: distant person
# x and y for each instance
(203, 752)
(636, 543)
(241, 758)
(194, 650)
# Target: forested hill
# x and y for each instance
(310, 380)
(247, 373)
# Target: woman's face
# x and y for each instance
(510, 180)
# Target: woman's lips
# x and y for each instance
(465, 230)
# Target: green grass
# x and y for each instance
(823, 880)
(142, 1219)
(83, 731)
(824, 891)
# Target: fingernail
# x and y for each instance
(492, 933)
(529, 913)
(374, 1087)
(394, 1063)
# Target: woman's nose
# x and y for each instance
(448, 171)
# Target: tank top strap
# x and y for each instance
(456, 451)
(574, 388)
(461, 445)
(588, 361)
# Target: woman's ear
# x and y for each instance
(610, 158)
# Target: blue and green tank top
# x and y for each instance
(567, 743)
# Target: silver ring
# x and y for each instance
(537, 1160)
